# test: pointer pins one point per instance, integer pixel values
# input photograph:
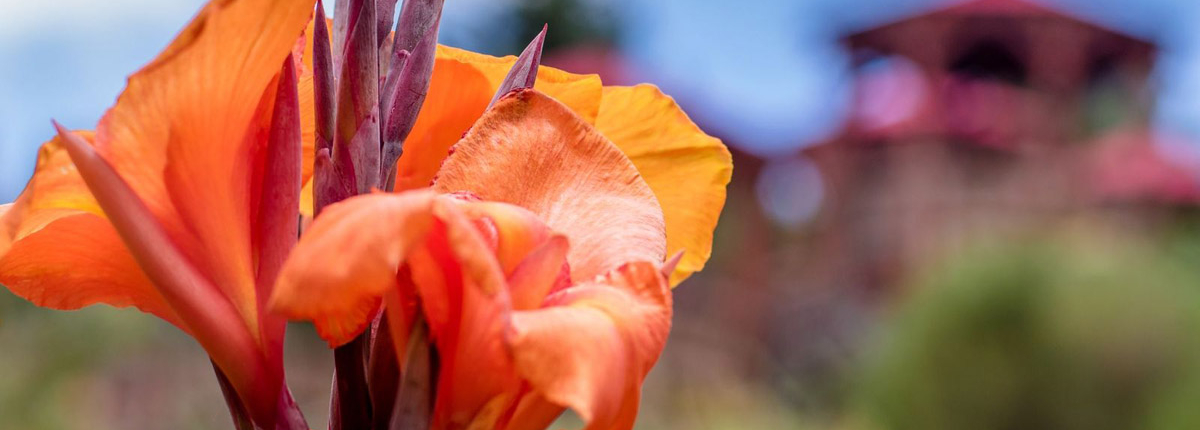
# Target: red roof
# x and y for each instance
(1142, 166)
(998, 8)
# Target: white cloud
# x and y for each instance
(24, 17)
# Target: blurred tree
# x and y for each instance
(1064, 334)
(572, 23)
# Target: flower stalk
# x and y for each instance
(359, 136)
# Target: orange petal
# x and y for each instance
(304, 89)
(533, 412)
(687, 169)
(306, 198)
(541, 272)
(6, 229)
(592, 346)
(54, 191)
(458, 95)
(518, 231)
(77, 261)
(184, 135)
(465, 299)
(581, 93)
(62, 252)
(348, 259)
(531, 151)
(210, 316)
(57, 250)
(463, 84)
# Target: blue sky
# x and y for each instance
(765, 73)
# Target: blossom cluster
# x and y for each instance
(484, 242)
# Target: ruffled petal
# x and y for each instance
(541, 272)
(56, 190)
(462, 289)
(592, 346)
(531, 151)
(515, 231)
(687, 169)
(347, 260)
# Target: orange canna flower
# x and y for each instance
(686, 169)
(538, 256)
(183, 202)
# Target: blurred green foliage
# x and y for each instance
(1071, 332)
(103, 368)
(47, 356)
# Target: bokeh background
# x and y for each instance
(943, 215)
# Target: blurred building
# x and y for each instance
(988, 116)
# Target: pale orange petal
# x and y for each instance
(531, 151)
(541, 272)
(348, 259)
(463, 84)
(183, 133)
(517, 230)
(592, 346)
(687, 169)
